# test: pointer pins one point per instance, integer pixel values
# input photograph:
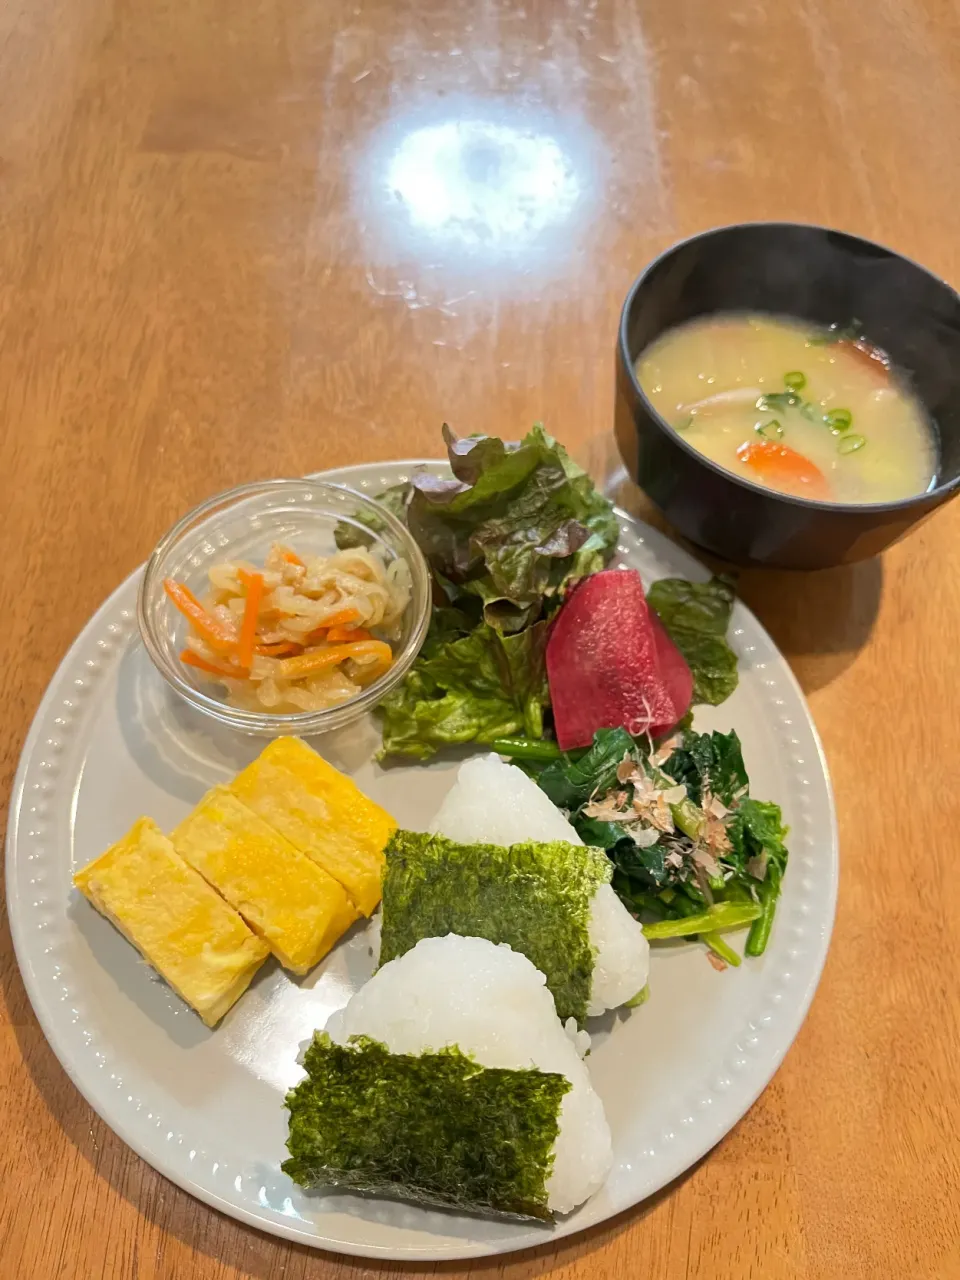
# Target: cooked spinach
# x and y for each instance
(712, 859)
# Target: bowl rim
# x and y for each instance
(299, 722)
(934, 495)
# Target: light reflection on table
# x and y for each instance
(485, 184)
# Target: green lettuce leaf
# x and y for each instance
(521, 521)
(505, 535)
(467, 685)
(396, 499)
(697, 615)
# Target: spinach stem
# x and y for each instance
(720, 948)
(642, 996)
(527, 749)
(722, 915)
(759, 934)
(688, 818)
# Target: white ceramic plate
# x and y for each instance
(110, 742)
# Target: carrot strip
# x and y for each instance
(371, 671)
(308, 664)
(191, 658)
(342, 619)
(291, 557)
(341, 635)
(251, 610)
(783, 466)
(279, 649)
(382, 660)
(205, 624)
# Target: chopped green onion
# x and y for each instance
(684, 423)
(642, 996)
(778, 400)
(811, 412)
(795, 380)
(850, 444)
(838, 419)
(771, 430)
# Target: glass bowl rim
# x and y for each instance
(300, 722)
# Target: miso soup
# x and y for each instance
(819, 414)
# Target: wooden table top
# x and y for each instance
(247, 240)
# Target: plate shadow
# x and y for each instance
(819, 620)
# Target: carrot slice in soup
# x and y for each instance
(784, 468)
(867, 356)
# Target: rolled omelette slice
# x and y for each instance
(180, 926)
(322, 813)
(283, 895)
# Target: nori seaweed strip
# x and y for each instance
(436, 1128)
(533, 896)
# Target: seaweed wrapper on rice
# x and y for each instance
(435, 1128)
(534, 896)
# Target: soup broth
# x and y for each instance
(816, 414)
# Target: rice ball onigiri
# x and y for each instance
(497, 803)
(491, 1003)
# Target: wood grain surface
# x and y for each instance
(244, 240)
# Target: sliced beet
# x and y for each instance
(610, 662)
(677, 676)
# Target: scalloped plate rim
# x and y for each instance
(155, 1154)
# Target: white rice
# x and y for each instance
(496, 803)
(492, 1003)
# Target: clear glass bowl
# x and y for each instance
(242, 524)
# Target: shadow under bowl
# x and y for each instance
(813, 274)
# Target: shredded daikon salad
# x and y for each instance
(300, 633)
